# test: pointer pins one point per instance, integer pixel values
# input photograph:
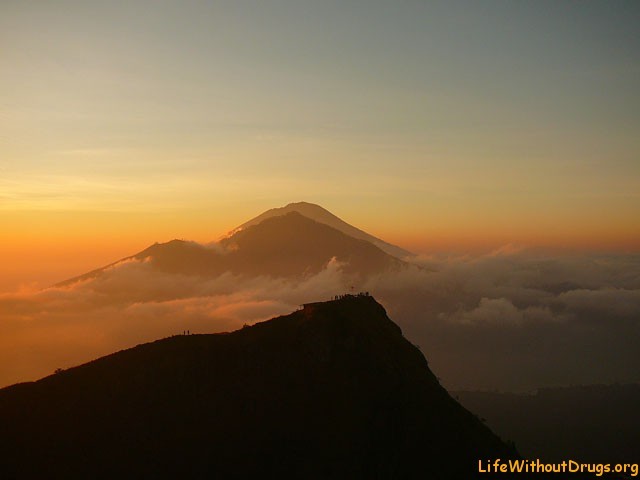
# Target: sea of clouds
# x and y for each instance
(509, 320)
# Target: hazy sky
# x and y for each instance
(434, 125)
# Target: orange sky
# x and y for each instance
(40, 248)
(433, 127)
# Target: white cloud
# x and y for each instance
(525, 319)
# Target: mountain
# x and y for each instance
(332, 390)
(290, 245)
(320, 215)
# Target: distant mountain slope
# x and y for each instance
(594, 423)
(331, 391)
(321, 215)
(292, 243)
(283, 246)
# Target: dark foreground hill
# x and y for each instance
(330, 391)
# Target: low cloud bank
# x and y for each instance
(511, 320)
(520, 320)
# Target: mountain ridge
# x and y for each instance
(332, 390)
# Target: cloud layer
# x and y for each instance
(511, 320)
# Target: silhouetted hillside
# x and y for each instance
(330, 391)
(595, 423)
(290, 245)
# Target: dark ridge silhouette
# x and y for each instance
(332, 390)
(593, 423)
(321, 215)
(290, 245)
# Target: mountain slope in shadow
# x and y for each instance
(330, 391)
(321, 215)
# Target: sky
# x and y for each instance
(437, 126)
